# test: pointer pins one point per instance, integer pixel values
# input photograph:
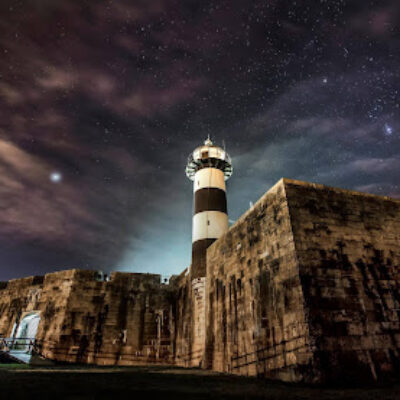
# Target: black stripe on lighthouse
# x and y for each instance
(210, 199)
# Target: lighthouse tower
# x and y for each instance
(209, 166)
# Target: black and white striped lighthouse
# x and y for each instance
(209, 166)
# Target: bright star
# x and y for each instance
(325, 80)
(388, 130)
(56, 177)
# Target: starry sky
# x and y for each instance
(102, 101)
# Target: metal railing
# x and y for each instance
(17, 344)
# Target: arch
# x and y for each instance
(28, 326)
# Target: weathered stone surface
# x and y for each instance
(348, 248)
(188, 319)
(256, 318)
(305, 286)
(125, 320)
(17, 297)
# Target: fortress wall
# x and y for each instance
(186, 354)
(136, 312)
(255, 310)
(53, 304)
(124, 321)
(348, 245)
(17, 297)
(305, 286)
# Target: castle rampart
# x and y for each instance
(305, 286)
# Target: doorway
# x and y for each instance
(26, 331)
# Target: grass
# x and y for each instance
(14, 366)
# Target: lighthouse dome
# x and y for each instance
(209, 156)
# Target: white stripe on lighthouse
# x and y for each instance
(209, 177)
(209, 225)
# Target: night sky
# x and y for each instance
(101, 103)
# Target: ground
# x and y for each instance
(92, 383)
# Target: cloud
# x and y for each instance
(375, 165)
(148, 100)
(9, 94)
(115, 96)
(380, 188)
(56, 79)
(378, 22)
(36, 210)
(32, 205)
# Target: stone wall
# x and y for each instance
(348, 247)
(17, 297)
(53, 307)
(189, 318)
(255, 309)
(123, 321)
(185, 354)
(306, 286)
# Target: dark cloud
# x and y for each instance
(114, 95)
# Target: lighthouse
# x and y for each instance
(208, 166)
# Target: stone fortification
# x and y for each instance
(255, 308)
(17, 297)
(123, 321)
(189, 320)
(305, 286)
(348, 249)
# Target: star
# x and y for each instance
(388, 130)
(56, 177)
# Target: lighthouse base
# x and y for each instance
(199, 257)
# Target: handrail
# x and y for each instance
(30, 345)
(282, 343)
(8, 344)
(257, 359)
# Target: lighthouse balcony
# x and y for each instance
(195, 165)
